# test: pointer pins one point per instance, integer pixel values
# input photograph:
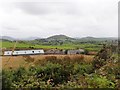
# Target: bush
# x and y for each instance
(96, 81)
(82, 69)
(7, 79)
(56, 72)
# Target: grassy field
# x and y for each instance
(90, 47)
(15, 62)
(7, 44)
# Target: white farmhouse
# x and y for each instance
(24, 52)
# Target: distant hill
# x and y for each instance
(98, 39)
(7, 38)
(54, 40)
(59, 38)
(4, 38)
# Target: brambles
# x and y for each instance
(102, 56)
(106, 64)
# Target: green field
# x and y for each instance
(90, 47)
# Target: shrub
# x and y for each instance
(19, 74)
(97, 63)
(56, 72)
(7, 79)
(82, 69)
(96, 81)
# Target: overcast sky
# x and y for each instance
(44, 18)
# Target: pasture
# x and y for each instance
(20, 45)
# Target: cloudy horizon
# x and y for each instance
(74, 18)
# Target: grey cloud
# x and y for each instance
(93, 18)
(38, 8)
(33, 7)
(10, 28)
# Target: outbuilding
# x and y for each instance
(79, 51)
(54, 51)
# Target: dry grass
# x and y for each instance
(26, 61)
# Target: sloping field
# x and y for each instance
(25, 45)
(13, 62)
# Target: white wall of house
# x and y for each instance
(24, 52)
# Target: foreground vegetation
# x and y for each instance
(52, 72)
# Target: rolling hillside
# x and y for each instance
(60, 42)
(60, 38)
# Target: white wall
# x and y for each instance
(24, 52)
